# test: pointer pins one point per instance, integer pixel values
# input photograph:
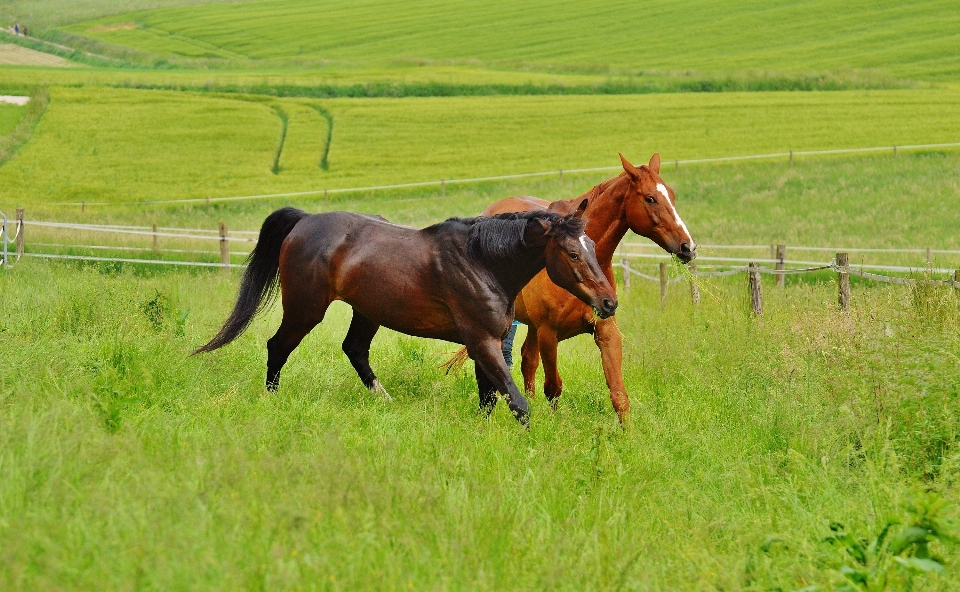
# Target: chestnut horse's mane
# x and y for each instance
(499, 237)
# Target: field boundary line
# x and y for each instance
(88, 228)
(629, 244)
(122, 260)
(442, 182)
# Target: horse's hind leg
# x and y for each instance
(281, 345)
(357, 347)
(296, 323)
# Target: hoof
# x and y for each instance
(378, 389)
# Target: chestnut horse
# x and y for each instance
(455, 281)
(636, 199)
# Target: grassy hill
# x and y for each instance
(917, 40)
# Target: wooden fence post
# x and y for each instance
(843, 280)
(894, 151)
(625, 264)
(676, 166)
(156, 241)
(781, 255)
(443, 188)
(663, 283)
(561, 174)
(20, 235)
(929, 258)
(756, 291)
(791, 157)
(694, 290)
(956, 279)
(224, 247)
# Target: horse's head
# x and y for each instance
(572, 260)
(651, 210)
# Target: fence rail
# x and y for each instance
(719, 266)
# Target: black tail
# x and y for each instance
(261, 279)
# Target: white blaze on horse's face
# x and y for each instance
(676, 216)
(583, 241)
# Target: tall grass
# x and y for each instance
(125, 463)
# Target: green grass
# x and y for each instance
(916, 41)
(42, 14)
(124, 463)
(10, 115)
(111, 145)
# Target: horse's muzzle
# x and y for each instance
(607, 308)
(687, 253)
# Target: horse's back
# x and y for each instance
(521, 203)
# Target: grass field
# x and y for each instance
(9, 116)
(127, 464)
(918, 41)
(124, 463)
(112, 145)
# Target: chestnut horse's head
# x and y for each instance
(572, 260)
(651, 210)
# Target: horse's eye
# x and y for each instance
(574, 256)
(651, 200)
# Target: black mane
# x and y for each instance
(499, 237)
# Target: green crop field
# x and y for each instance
(127, 464)
(9, 116)
(919, 40)
(111, 145)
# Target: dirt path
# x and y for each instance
(14, 55)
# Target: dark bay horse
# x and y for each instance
(455, 281)
(637, 199)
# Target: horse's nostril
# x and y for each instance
(685, 248)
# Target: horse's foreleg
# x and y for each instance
(282, 344)
(608, 339)
(552, 383)
(357, 347)
(487, 355)
(488, 391)
(530, 361)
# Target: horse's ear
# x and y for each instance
(629, 168)
(581, 209)
(655, 163)
(536, 232)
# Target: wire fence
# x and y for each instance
(442, 183)
(185, 248)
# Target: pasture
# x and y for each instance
(125, 463)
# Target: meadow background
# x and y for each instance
(126, 464)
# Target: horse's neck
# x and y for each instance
(606, 218)
(516, 274)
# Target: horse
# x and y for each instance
(636, 199)
(456, 281)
